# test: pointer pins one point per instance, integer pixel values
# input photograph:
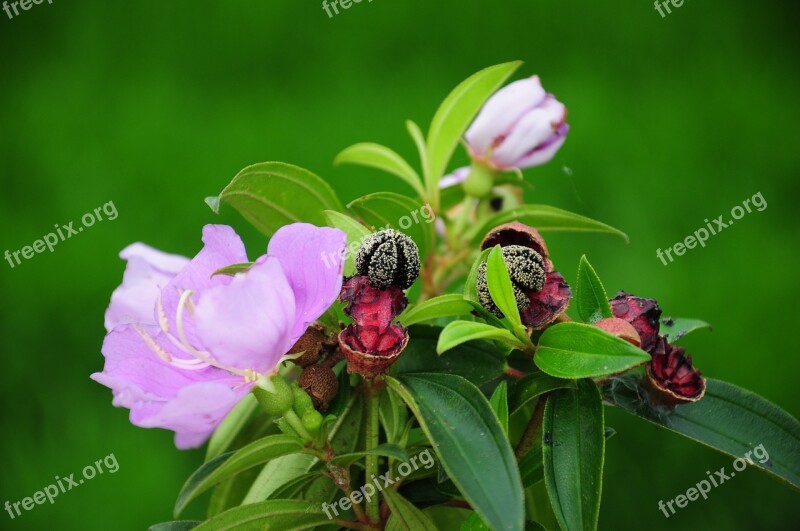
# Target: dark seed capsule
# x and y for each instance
(526, 269)
(388, 258)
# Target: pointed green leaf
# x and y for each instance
(451, 412)
(231, 426)
(449, 305)
(545, 218)
(182, 525)
(577, 350)
(393, 416)
(286, 515)
(675, 328)
(499, 403)
(382, 158)
(405, 516)
(729, 419)
(533, 385)
(231, 463)
(277, 473)
(531, 466)
(573, 451)
(272, 194)
(460, 332)
(500, 287)
(590, 295)
(456, 113)
(384, 450)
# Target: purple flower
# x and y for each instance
(185, 345)
(520, 126)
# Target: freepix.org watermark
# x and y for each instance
(61, 486)
(377, 484)
(24, 5)
(63, 232)
(702, 234)
(424, 214)
(703, 487)
(331, 7)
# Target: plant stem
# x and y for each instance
(532, 430)
(372, 440)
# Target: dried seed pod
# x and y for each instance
(370, 351)
(620, 328)
(388, 258)
(642, 313)
(671, 377)
(515, 233)
(321, 384)
(526, 269)
(310, 343)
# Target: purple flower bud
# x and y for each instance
(519, 127)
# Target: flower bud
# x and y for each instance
(312, 421)
(388, 258)
(526, 269)
(671, 377)
(310, 344)
(620, 328)
(321, 384)
(302, 401)
(520, 126)
(274, 394)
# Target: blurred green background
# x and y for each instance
(155, 105)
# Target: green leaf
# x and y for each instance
(478, 361)
(451, 412)
(675, 328)
(277, 473)
(533, 385)
(393, 416)
(456, 113)
(499, 403)
(385, 450)
(181, 525)
(459, 332)
(272, 194)
(475, 523)
(500, 287)
(573, 451)
(531, 466)
(443, 306)
(356, 232)
(546, 219)
(419, 140)
(231, 426)
(729, 419)
(382, 158)
(400, 212)
(234, 269)
(405, 516)
(590, 295)
(286, 515)
(231, 463)
(576, 350)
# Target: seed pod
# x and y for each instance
(370, 351)
(515, 233)
(388, 258)
(526, 269)
(321, 384)
(671, 378)
(310, 343)
(620, 328)
(642, 313)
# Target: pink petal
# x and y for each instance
(247, 324)
(311, 258)
(502, 111)
(536, 127)
(457, 177)
(148, 270)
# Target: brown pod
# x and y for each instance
(620, 328)
(321, 385)
(516, 233)
(310, 343)
(369, 351)
(671, 378)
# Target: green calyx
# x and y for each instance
(480, 181)
(274, 395)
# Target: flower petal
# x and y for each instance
(247, 324)
(545, 152)
(457, 177)
(222, 248)
(311, 257)
(148, 270)
(536, 127)
(502, 111)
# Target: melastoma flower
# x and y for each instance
(538, 307)
(185, 345)
(520, 126)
